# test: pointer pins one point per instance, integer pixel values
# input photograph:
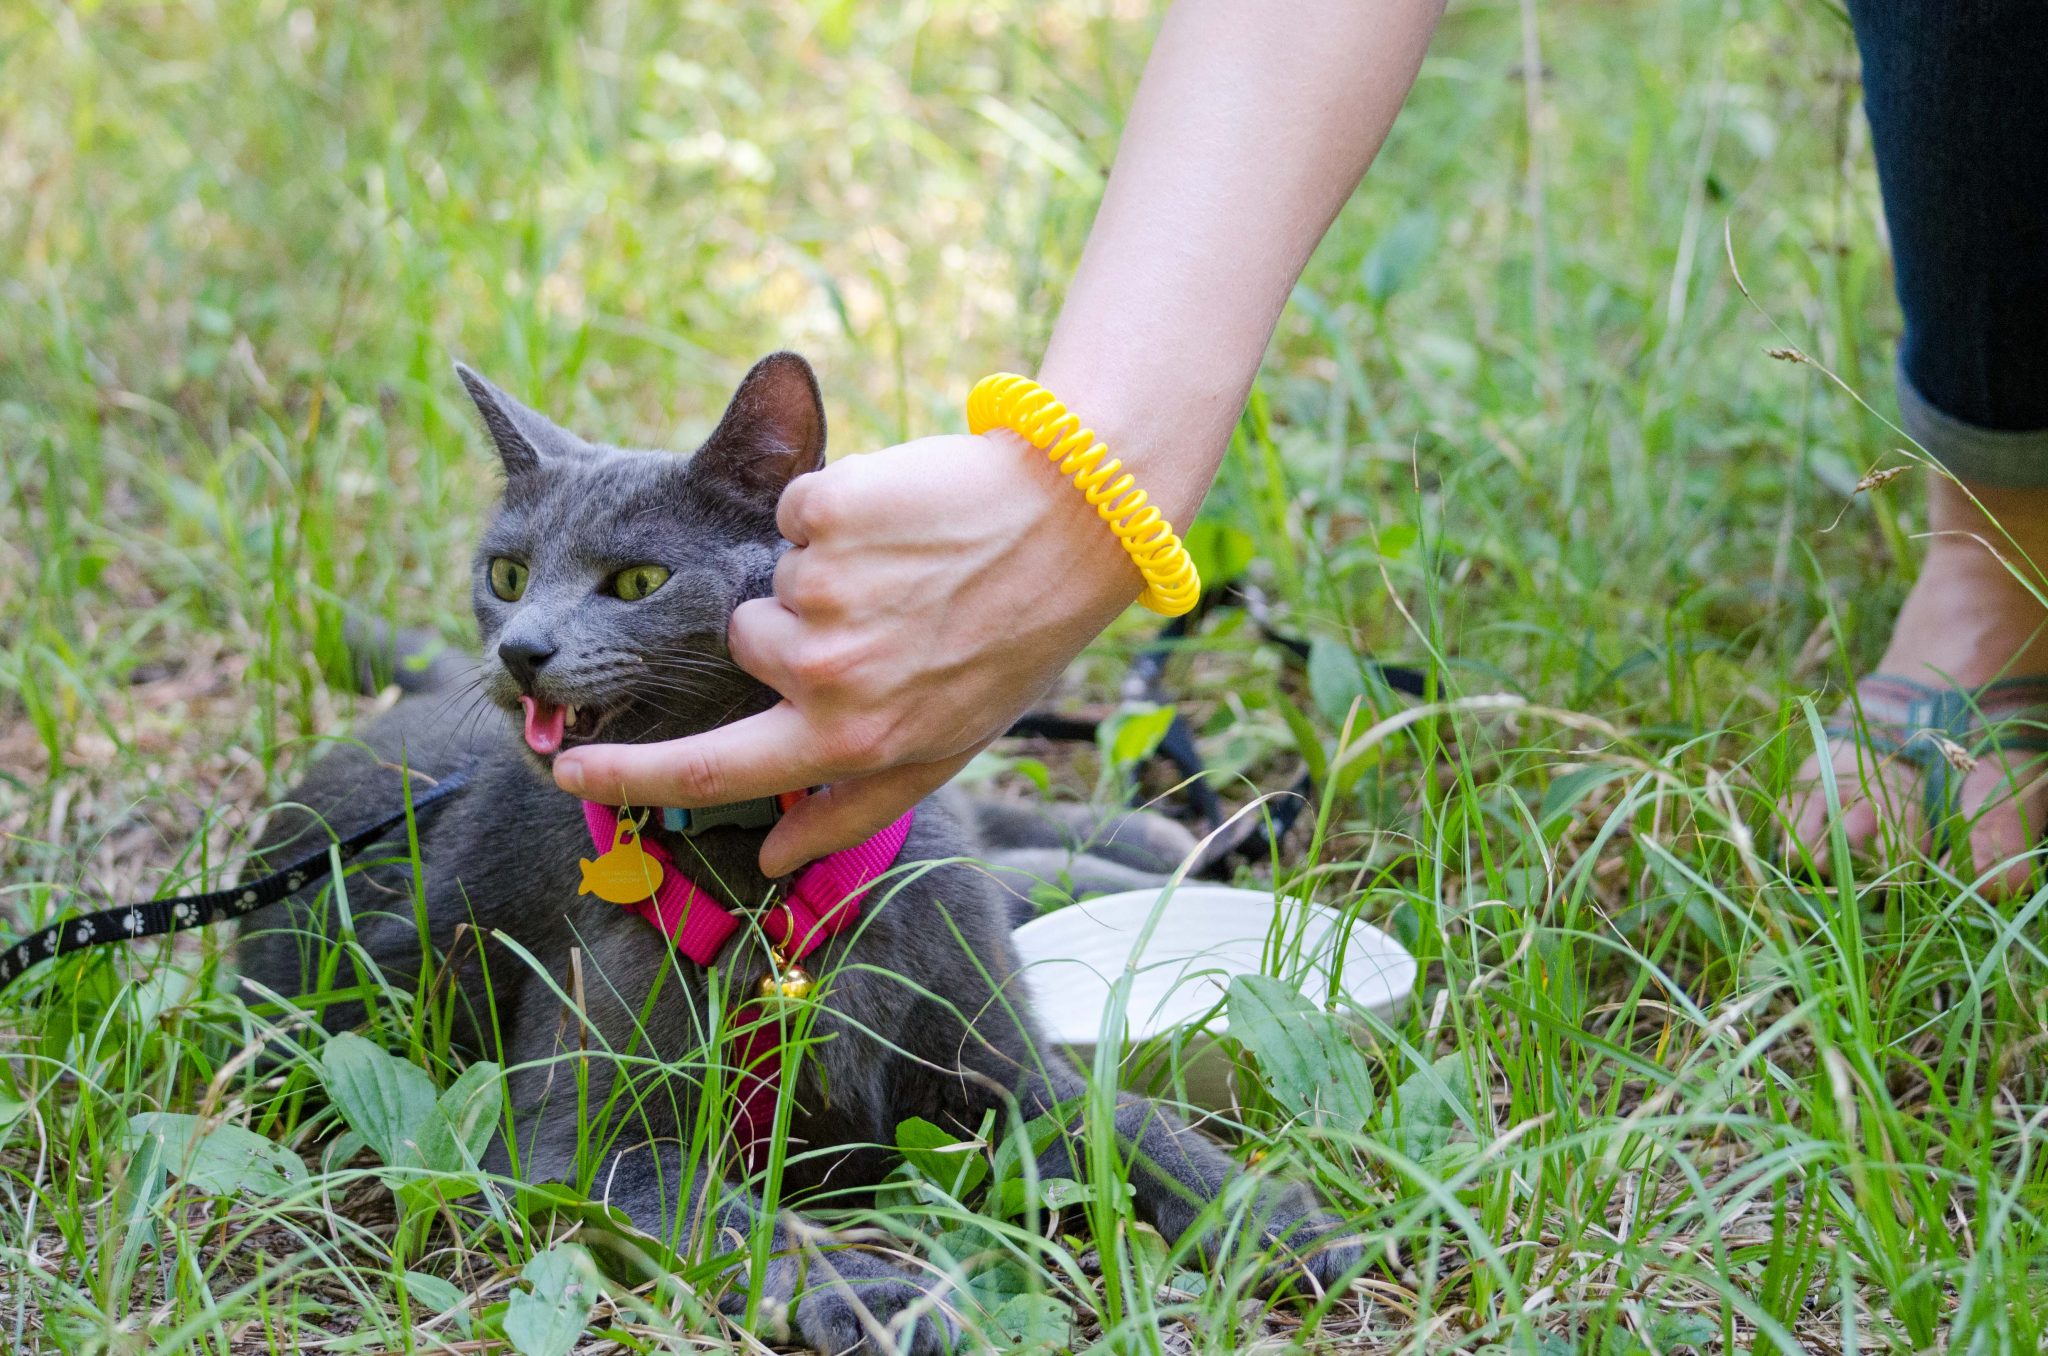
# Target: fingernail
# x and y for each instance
(569, 774)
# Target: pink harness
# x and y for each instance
(822, 901)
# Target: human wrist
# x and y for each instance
(1170, 432)
(1101, 480)
(1097, 578)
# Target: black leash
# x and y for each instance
(160, 916)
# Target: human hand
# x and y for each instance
(935, 590)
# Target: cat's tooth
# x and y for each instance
(571, 723)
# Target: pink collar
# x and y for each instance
(823, 899)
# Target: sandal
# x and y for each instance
(1944, 731)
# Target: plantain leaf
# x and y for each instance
(957, 1165)
(460, 1125)
(1334, 680)
(1039, 1322)
(220, 1160)
(1221, 552)
(552, 1308)
(1428, 1106)
(1130, 735)
(383, 1098)
(1310, 1065)
(433, 1296)
(1397, 257)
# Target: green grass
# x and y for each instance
(1519, 426)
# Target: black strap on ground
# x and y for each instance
(157, 917)
(1254, 836)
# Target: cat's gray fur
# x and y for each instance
(925, 1021)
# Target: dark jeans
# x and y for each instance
(1957, 92)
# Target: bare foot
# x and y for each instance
(1967, 622)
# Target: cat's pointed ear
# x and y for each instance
(772, 432)
(518, 432)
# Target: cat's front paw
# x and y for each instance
(856, 1302)
(1312, 1246)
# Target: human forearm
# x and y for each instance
(1252, 125)
(935, 589)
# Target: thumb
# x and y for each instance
(847, 813)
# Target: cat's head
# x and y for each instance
(605, 578)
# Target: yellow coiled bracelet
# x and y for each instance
(1021, 405)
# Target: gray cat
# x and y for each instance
(602, 587)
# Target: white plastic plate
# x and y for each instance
(1203, 936)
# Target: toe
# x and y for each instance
(2003, 809)
(1874, 796)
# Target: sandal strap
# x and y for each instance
(1918, 723)
(1908, 717)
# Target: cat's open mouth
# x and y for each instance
(550, 728)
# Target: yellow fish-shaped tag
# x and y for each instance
(626, 874)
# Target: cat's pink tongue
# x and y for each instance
(544, 722)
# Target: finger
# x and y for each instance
(804, 586)
(789, 509)
(762, 638)
(763, 755)
(851, 812)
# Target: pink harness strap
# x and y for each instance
(823, 900)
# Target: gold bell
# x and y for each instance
(788, 981)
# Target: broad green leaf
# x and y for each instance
(971, 1249)
(342, 1148)
(1427, 1107)
(1334, 679)
(1221, 552)
(382, 1097)
(1397, 540)
(552, 1308)
(1310, 1065)
(220, 1160)
(463, 1119)
(1035, 770)
(1675, 1329)
(1035, 1321)
(620, 1249)
(1397, 257)
(1132, 734)
(955, 1164)
(12, 1109)
(433, 1296)
(1013, 1297)
(1011, 1196)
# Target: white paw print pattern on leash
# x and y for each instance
(142, 920)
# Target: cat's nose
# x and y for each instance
(524, 658)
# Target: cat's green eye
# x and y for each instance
(508, 578)
(637, 581)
